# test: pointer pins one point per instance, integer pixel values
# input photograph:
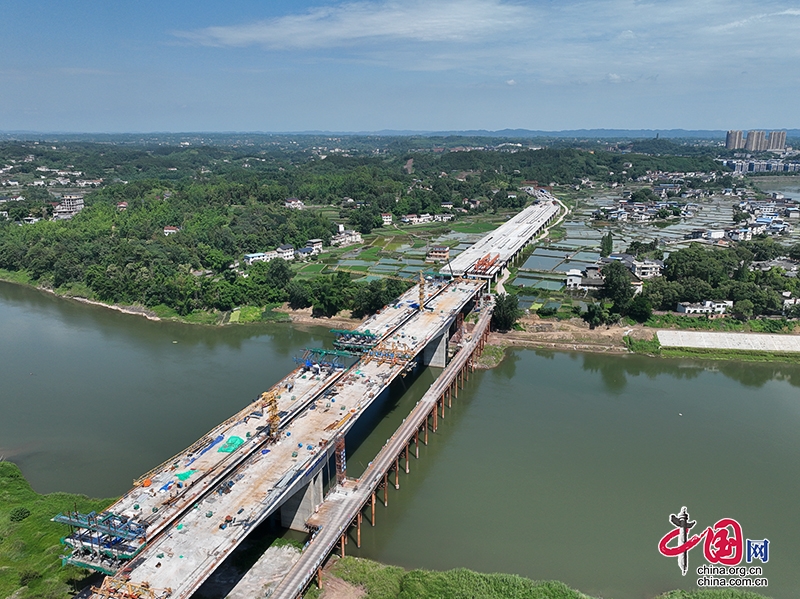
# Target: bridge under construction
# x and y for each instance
(275, 457)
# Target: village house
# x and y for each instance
(707, 307)
(438, 253)
(386, 217)
(69, 206)
(294, 204)
(260, 257)
(170, 231)
(346, 238)
(304, 253)
(315, 245)
(286, 252)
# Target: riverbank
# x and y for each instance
(243, 315)
(533, 332)
(30, 567)
(350, 578)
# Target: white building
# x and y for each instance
(346, 238)
(260, 257)
(386, 217)
(315, 245)
(706, 307)
(70, 205)
(286, 252)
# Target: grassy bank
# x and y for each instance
(13, 276)
(652, 347)
(492, 356)
(30, 566)
(728, 325)
(391, 582)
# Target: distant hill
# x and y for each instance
(578, 134)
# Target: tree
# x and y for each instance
(617, 285)
(640, 308)
(743, 309)
(606, 245)
(595, 315)
(506, 312)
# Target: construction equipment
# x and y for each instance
(269, 401)
(114, 588)
(483, 265)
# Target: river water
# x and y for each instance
(558, 466)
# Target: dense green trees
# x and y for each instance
(617, 286)
(698, 273)
(506, 312)
(606, 244)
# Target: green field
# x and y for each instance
(474, 227)
(30, 547)
(391, 582)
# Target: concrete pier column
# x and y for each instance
(435, 353)
(372, 519)
(397, 472)
(386, 489)
(299, 507)
(358, 530)
(416, 444)
(407, 444)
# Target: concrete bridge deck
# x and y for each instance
(194, 535)
(343, 506)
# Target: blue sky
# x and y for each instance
(273, 65)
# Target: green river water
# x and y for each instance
(554, 465)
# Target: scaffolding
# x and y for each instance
(341, 461)
(354, 340)
(330, 358)
(388, 352)
(106, 523)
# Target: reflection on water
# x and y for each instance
(567, 465)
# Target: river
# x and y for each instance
(558, 466)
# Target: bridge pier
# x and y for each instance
(435, 353)
(299, 507)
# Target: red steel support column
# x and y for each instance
(358, 530)
(386, 489)
(416, 444)
(397, 472)
(426, 428)
(435, 417)
(319, 578)
(372, 520)
(341, 543)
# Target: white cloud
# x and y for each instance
(346, 24)
(565, 42)
(511, 82)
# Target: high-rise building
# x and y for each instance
(756, 141)
(734, 140)
(777, 140)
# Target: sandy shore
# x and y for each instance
(135, 310)
(570, 335)
(304, 317)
